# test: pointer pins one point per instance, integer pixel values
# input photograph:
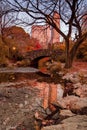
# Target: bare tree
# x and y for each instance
(4, 10)
(73, 13)
(8, 17)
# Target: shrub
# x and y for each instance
(60, 58)
(82, 52)
(59, 46)
(23, 63)
(55, 68)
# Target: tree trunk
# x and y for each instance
(70, 57)
(68, 62)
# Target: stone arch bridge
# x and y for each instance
(36, 55)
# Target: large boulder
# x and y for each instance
(72, 123)
(73, 102)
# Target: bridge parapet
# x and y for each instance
(42, 52)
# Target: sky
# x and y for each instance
(28, 27)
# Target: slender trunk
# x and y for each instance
(68, 62)
(70, 57)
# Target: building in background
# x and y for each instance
(56, 36)
(42, 33)
(46, 34)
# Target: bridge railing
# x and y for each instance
(42, 52)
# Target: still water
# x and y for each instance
(10, 74)
(18, 70)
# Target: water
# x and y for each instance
(11, 74)
(18, 70)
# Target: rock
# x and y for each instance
(66, 113)
(60, 91)
(38, 116)
(59, 105)
(25, 102)
(72, 123)
(21, 105)
(73, 77)
(17, 111)
(73, 102)
(6, 121)
(55, 68)
(81, 90)
(77, 85)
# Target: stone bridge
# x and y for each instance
(36, 55)
(43, 53)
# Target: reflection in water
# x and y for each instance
(7, 77)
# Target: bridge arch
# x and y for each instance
(34, 62)
(35, 55)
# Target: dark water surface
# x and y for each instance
(12, 74)
(18, 70)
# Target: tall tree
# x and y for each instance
(73, 13)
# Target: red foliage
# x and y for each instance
(38, 46)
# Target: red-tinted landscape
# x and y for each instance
(43, 70)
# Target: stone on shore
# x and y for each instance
(78, 122)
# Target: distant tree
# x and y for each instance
(4, 10)
(7, 17)
(82, 51)
(15, 36)
(73, 14)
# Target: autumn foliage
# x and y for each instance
(15, 42)
(82, 52)
(22, 40)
